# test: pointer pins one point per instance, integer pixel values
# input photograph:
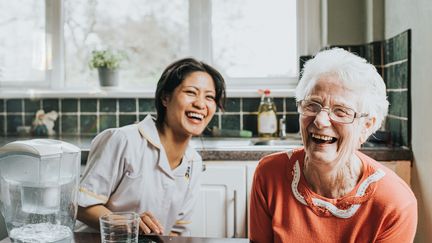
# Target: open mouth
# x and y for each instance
(195, 116)
(321, 139)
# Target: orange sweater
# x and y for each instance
(381, 208)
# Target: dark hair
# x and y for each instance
(173, 76)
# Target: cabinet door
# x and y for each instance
(221, 207)
(250, 170)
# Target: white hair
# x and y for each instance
(355, 73)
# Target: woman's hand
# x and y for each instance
(150, 224)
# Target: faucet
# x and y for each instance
(282, 127)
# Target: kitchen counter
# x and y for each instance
(241, 149)
(95, 237)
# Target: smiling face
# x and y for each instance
(191, 105)
(327, 141)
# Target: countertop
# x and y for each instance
(95, 237)
(241, 149)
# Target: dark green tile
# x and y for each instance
(69, 124)
(88, 105)
(292, 123)
(358, 50)
(2, 131)
(401, 47)
(230, 122)
(395, 127)
(28, 120)
(405, 134)
(88, 124)
(279, 104)
(107, 121)
(369, 53)
(13, 121)
(250, 123)
(108, 105)
(214, 122)
(251, 104)
(127, 105)
(69, 105)
(290, 104)
(397, 48)
(14, 105)
(388, 51)
(388, 76)
(232, 105)
(2, 105)
(146, 105)
(31, 105)
(50, 105)
(126, 120)
(378, 52)
(396, 76)
(398, 103)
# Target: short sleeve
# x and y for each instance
(103, 169)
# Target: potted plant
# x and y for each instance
(108, 63)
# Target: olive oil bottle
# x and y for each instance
(267, 121)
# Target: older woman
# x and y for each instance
(328, 191)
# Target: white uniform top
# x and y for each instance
(128, 170)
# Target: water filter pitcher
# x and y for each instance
(38, 189)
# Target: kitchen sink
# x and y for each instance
(206, 143)
(276, 142)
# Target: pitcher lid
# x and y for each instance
(40, 147)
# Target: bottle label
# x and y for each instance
(267, 122)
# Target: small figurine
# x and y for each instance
(43, 124)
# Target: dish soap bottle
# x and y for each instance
(267, 121)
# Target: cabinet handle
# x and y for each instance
(203, 168)
(235, 214)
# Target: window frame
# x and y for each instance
(310, 38)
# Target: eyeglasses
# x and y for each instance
(338, 113)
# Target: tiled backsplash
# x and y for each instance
(392, 58)
(91, 116)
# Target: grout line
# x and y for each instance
(5, 117)
(397, 117)
(97, 116)
(60, 123)
(22, 115)
(137, 110)
(79, 117)
(391, 64)
(117, 112)
(397, 90)
(241, 114)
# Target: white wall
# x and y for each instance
(416, 15)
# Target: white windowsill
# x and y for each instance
(123, 93)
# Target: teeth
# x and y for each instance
(322, 137)
(195, 115)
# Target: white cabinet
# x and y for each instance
(221, 207)
(250, 170)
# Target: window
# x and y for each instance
(24, 45)
(249, 41)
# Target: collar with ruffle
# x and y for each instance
(344, 207)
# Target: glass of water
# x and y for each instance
(119, 227)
